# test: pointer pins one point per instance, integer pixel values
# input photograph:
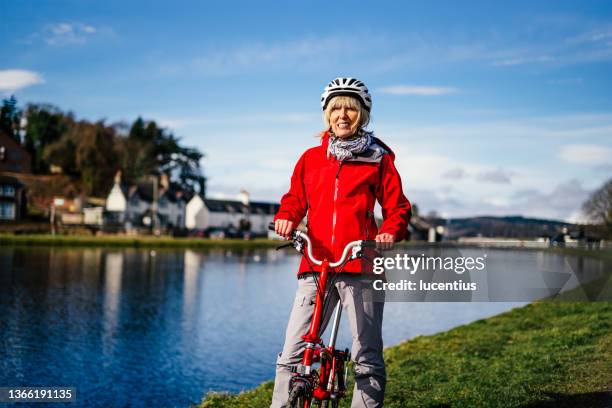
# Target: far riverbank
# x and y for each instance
(132, 241)
(143, 241)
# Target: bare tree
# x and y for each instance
(599, 206)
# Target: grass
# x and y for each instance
(546, 354)
(135, 242)
(601, 254)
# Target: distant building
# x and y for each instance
(68, 211)
(135, 206)
(252, 216)
(13, 157)
(421, 229)
(12, 199)
(42, 189)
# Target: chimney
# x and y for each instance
(244, 197)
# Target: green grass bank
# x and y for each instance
(546, 354)
(131, 242)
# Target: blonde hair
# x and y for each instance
(343, 101)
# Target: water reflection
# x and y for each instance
(112, 292)
(193, 261)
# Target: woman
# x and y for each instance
(337, 184)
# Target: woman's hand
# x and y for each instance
(384, 241)
(284, 228)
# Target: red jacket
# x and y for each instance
(339, 198)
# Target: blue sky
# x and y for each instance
(492, 108)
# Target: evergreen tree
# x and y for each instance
(153, 150)
(137, 130)
(45, 124)
(10, 118)
(93, 152)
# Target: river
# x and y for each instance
(141, 327)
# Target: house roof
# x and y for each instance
(6, 140)
(233, 206)
(10, 180)
(260, 207)
(42, 188)
(144, 190)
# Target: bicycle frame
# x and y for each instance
(332, 362)
(328, 357)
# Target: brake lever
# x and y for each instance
(278, 248)
(297, 243)
(367, 258)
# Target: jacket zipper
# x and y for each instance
(336, 183)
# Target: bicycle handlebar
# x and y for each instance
(354, 246)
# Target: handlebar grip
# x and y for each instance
(271, 226)
(368, 244)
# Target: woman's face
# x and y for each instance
(343, 121)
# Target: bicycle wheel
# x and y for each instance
(330, 404)
(297, 396)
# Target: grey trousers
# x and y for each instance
(365, 320)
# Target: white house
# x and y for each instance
(133, 206)
(203, 214)
(116, 201)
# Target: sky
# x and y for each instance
(492, 108)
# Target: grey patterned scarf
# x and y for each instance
(346, 149)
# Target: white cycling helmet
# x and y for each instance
(347, 87)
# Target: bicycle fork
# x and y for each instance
(332, 361)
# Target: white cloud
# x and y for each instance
(533, 44)
(13, 79)
(66, 33)
(260, 118)
(578, 217)
(297, 54)
(494, 176)
(417, 90)
(497, 201)
(586, 154)
(601, 36)
(456, 173)
(589, 43)
(563, 202)
(523, 60)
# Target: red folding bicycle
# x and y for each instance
(320, 379)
